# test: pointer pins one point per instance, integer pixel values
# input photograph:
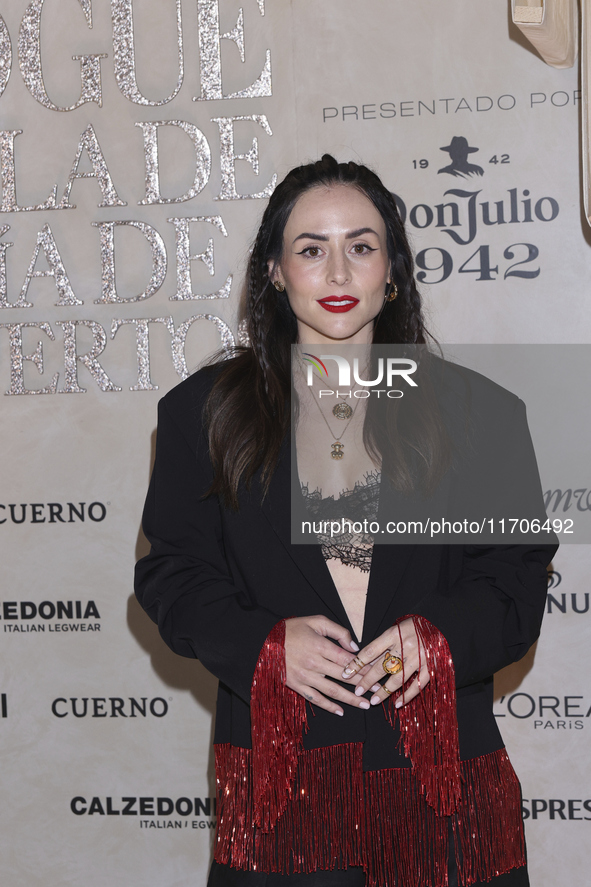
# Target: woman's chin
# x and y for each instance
(339, 331)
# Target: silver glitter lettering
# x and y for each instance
(100, 171)
(180, 338)
(4, 303)
(89, 360)
(202, 161)
(17, 359)
(210, 55)
(228, 158)
(124, 53)
(184, 286)
(243, 337)
(159, 261)
(57, 270)
(142, 336)
(29, 56)
(237, 34)
(5, 55)
(261, 6)
(8, 177)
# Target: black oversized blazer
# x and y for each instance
(216, 582)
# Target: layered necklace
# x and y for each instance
(340, 411)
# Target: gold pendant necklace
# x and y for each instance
(337, 448)
(342, 411)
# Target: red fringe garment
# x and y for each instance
(284, 809)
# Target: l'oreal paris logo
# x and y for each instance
(388, 369)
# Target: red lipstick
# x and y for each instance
(338, 304)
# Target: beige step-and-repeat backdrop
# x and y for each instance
(139, 140)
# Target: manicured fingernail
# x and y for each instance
(364, 704)
(375, 700)
(399, 703)
(339, 712)
(354, 646)
(347, 672)
(359, 691)
(375, 688)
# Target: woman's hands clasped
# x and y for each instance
(367, 668)
(311, 660)
(314, 663)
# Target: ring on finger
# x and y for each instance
(391, 664)
(387, 690)
(358, 662)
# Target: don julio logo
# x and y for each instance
(57, 615)
(109, 707)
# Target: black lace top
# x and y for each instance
(356, 506)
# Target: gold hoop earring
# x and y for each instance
(279, 286)
(393, 292)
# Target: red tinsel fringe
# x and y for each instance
(337, 816)
(491, 784)
(278, 718)
(429, 725)
(283, 809)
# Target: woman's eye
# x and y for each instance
(311, 251)
(361, 248)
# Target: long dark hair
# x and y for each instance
(248, 410)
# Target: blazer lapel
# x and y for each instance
(388, 597)
(388, 564)
(283, 499)
(389, 561)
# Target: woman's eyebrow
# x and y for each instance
(307, 236)
(323, 237)
(359, 231)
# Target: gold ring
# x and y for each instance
(358, 662)
(392, 664)
(387, 690)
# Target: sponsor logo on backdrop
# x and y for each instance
(562, 602)
(58, 617)
(555, 713)
(109, 707)
(158, 812)
(462, 219)
(466, 218)
(556, 808)
(576, 602)
(458, 150)
(580, 497)
(53, 512)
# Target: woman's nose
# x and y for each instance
(338, 269)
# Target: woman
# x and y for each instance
(328, 773)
